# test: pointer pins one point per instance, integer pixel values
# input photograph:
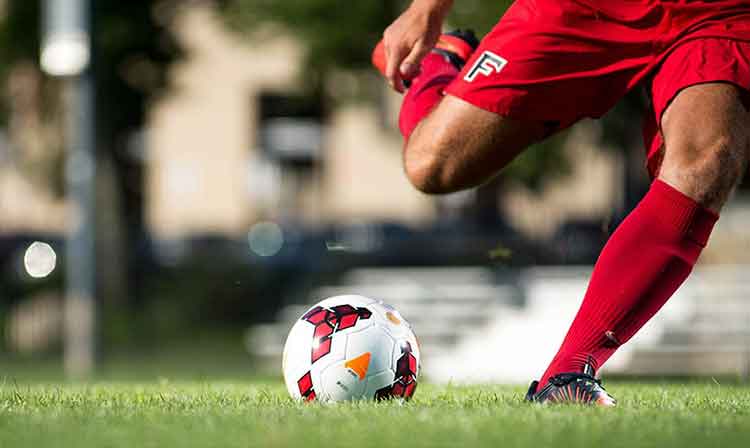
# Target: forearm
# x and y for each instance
(438, 7)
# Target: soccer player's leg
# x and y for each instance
(463, 122)
(459, 146)
(699, 156)
(451, 144)
(706, 162)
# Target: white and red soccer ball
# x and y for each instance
(351, 347)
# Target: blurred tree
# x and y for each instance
(338, 34)
(342, 33)
(132, 49)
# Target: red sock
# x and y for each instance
(425, 92)
(642, 265)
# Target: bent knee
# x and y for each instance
(433, 164)
(427, 172)
(460, 146)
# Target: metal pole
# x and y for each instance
(66, 52)
(80, 306)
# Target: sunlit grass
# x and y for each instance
(259, 413)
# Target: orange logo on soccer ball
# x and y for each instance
(359, 365)
(392, 317)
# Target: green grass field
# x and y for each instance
(259, 413)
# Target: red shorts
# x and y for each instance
(558, 61)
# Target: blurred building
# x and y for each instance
(232, 143)
(224, 155)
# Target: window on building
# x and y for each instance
(291, 130)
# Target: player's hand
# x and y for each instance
(411, 37)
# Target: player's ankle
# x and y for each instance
(579, 363)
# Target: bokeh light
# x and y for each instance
(265, 238)
(39, 260)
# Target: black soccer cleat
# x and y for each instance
(577, 388)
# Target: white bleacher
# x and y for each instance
(474, 328)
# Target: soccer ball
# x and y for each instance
(351, 347)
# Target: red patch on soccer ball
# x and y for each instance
(406, 377)
(306, 388)
(329, 321)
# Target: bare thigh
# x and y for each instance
(706, 140)
(460, 146)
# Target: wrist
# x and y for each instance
(435, 8)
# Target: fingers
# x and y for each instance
(410, 66)
(408, 39)
(403, 63)
(394, 57)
